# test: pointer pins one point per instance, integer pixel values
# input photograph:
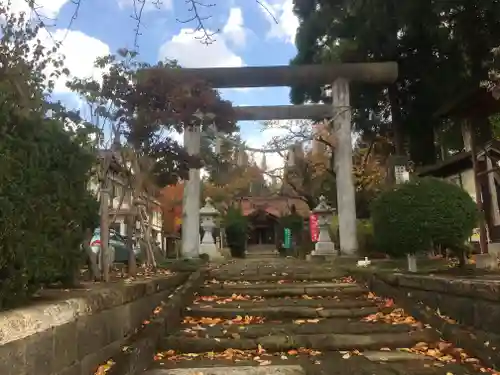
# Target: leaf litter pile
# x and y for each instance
(441, 352)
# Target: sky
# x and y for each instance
(247, 36)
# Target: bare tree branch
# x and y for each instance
(267, 10)
(207, 36)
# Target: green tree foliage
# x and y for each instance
(45, 207)
(415, 216)
(446, 54)
(44, 202)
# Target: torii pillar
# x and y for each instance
(346, 198)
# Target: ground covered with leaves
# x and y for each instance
(255, 313)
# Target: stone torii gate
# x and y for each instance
(339, 75)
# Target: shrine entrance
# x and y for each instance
(263, 228)
(338, 115)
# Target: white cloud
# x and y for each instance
(234, 30)
(281, 11)
(46, 8)
(80, 51)
(186, 48)
(148, 6)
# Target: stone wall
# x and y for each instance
(76, 335)
(471, 302)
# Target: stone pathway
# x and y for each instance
(284, 316)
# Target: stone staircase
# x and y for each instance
(261, 251)
(284, 316)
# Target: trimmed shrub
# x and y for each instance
(415, 216)
(236, 227)
(45, 208)
(366, 246)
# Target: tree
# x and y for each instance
(313, 171)
(144, 104)
(46, 207)
(306, 174)
(436, 59)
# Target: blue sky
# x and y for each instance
(248, 36)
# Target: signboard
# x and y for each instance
(314, 228)
(287, 238)
(401, 174)
(475, 235)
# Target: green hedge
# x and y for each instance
(415, 216)
(44, 208)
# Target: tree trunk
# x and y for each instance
(105, 232)
(132, 264)
(397, 131)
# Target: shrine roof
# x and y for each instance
(276, 206)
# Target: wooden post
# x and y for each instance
(346, 202)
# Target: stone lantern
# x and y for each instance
(208, 214)
(324, 246)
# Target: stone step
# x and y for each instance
(308, 325)
(280, 312)
(282, 290)
(295, 277)
(271, 268)
(328, 363)
(321, 342)
(299, 327)
(234, 370)
(283, 302)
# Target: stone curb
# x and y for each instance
(141, 347)
(20, 323)
(451, 332)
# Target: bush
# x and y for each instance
(415, 216)
(45, 208)
(236, 226)
(366, 246)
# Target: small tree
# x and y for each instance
(236, 225)
(144, 104)
(416, 216)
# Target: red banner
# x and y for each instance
(313, 227)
